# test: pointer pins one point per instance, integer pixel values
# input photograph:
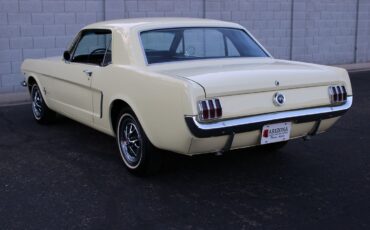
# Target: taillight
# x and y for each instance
(210, 109)
(337, 94)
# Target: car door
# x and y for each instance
(72, 92)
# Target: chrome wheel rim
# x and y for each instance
(37, 103)
(130, 141)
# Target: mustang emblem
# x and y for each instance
(279, 99)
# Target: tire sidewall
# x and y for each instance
(125, 114)
(34, 88)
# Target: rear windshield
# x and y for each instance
(178, 44)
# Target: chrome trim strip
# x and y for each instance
(255, 122)
(331, 94)
(208, 109)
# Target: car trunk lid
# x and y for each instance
(248, 87)
(225, 79)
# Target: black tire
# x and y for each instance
(275, 146)
(136, 150)
(41, 112)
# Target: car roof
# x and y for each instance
(160, 22)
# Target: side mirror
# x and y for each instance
(66, 55)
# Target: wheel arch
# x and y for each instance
(32, 79)
(115, 107)
(30, 82)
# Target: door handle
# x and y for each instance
(88, 72)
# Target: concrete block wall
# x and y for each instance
(153, 8)
(37, 29)
(363, 32)
(325, 31)
(269, 21)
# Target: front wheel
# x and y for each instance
(138, 154)
(40, 110)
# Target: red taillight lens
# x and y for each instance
(218, 108)
(204, 110)
(344, 93)
(210, 109)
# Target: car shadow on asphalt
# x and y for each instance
(104, 147)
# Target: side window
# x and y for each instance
(94, 47)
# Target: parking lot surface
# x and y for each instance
(68, 176)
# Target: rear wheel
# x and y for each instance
(138, 154)
(40, 110)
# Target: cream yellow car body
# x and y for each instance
(163, 95)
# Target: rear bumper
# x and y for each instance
(252, 123)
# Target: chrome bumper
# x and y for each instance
(251, 123)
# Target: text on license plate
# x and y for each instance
(275, 132)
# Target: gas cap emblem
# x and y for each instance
(279, 99)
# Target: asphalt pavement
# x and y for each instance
(68, 176)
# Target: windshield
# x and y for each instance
(178, 44)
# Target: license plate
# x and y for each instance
(275, 132)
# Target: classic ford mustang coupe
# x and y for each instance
(189, 86)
